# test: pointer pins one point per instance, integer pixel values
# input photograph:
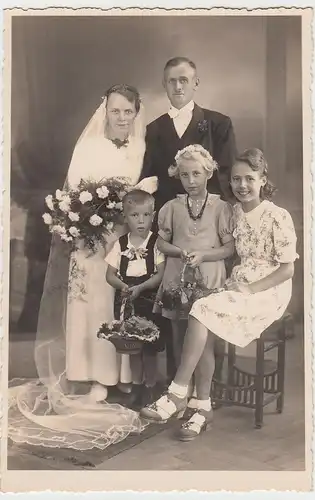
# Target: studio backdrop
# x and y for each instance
(249, 67)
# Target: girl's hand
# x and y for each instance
(239, 287)
(184, 255)
(195, 258)
(134, 292)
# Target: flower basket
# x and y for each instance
(180, 297)
(88, 212)
(129, 335)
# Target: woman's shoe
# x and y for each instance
(167, 406)
(199, 421)
(98, 393)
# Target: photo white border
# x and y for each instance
(102, 480)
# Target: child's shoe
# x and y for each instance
(199, 421)
(149, 395)
(191, 408)
(124, 387)
(131, 400)
(167, 406)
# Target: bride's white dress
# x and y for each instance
(45, 412)
(87, 357)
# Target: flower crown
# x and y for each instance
(200, 154)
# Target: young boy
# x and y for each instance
(135, 268)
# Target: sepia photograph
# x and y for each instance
(157, 174)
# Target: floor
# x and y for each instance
(232, 444)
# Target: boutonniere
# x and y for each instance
(203, 125)
(135, 253)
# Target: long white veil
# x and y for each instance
(44, 411)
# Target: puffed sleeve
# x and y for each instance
(113, 257)
(226, 222)
(165, 221)
(284, 237)
(159, 257)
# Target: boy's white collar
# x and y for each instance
(143, 244)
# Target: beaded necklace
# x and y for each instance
(198, 216)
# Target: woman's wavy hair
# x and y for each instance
(256, 161)
(130, 93)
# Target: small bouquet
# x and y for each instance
(88, 212)
(128, 335)
(180, 297)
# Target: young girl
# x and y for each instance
(135, 268)
(258, 291)
(195, 227)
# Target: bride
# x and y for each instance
(67, 350)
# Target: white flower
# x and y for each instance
(95, 220)
(49, 202)
(74, 231)
(67, 199)
(74, 216)
(60, 194)
(85, 196)
(102, 192)
(47, 218)
(64, 206)
(58, 229)
(110, 226)
(111, 204)
(64, 237)
(119, 205)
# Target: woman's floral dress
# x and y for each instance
(264, 238)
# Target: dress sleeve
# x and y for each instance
(226, 223)
(113, 257)
(159, 257)
(284, 237)
(165, 221)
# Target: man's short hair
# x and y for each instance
(176, 61)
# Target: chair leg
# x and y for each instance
(259, 384)
(230, 375)
(281, 366)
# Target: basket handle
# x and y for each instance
(196, 273)
(123, 307)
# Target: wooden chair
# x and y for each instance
(261, 384)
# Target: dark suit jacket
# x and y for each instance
(212, 130)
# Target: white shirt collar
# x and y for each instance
(187, 109)
(143, 244)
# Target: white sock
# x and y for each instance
(193, 403)
(178, 390)
(204, 404)
(194, 394)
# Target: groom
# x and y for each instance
(186, 123)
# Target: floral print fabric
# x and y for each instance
(264, 238)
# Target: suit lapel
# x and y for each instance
(195, 134)
(168, 131)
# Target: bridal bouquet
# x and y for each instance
(128, 335)
(88, 212)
